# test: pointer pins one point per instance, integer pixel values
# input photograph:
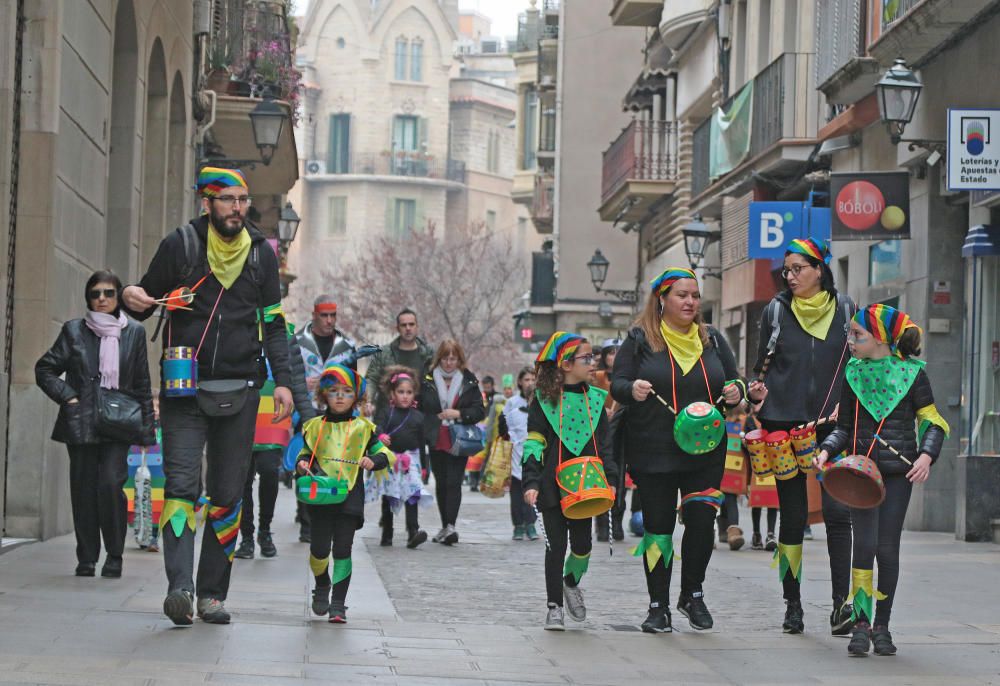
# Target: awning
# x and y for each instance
(652, 79)
(982, 240)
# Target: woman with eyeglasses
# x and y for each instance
(672, 358)
(103, 349)
(803, 345)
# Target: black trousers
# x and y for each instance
(449, 471)
(521, 513)
(659, 516)
(97, 474)
(264, 463)
(729, 514)
(332, 531)
(412, 519)
(772, 519)
(877, 533)
(226, 444)
(558, 529)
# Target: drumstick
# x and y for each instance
(892, 450)
(817, 422)
(660, 398)
(179, 307)
(541, 525)
(185, 297)
(763, 367)
(611, 544)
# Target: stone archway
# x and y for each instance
(154, 186)
(178, 210)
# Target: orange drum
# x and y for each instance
(756, 442)
(855, 481)
(805, 447)
(779, 449)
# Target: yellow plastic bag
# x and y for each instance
(495, 478)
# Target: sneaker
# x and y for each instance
(793, 623)
(439, 536)
(735, 536)
(212, 610)
(305, 534)
(179, 607)
(840, 618)
(245, 549)
(861, 640)
(531, 533)
(86, 569)
(321, 600)
(756, 542)
(338, 612)
(450, 536)
(386, 539)
(693, 607)
(555, 620)
(574, 602)
(518, 534)
(658, 620)
(417, 536)
(807, 534)
(770, 543)
(882, 640)
(267, 547)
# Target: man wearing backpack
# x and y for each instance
(231, 324)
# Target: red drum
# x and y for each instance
(783, 463)
(855, 481)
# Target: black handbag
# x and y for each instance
(222, 397)
(119, 415)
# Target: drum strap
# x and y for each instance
(319, 437)
(673, 378)
(857, 410)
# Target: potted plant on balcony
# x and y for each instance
(219, 61)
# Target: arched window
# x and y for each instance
(417, 60)
(401, 50)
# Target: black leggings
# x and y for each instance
(332, 530)
(412, 520)
(449, 471)
(265, 463)
(521, 513)
(556, 529)
(659, 516)
(877, 532)
(772, 519)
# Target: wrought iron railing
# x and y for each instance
(251, 41)
(644, 151)
(528, 31)
(405, 163)
(894, 10)
(542, 203)
(548, 63)
(841, 25)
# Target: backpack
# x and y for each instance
(774, 310)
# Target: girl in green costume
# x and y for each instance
(886, 395)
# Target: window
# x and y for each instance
(400, 72)
(491, 220)
(338, 216)
(417, 61)
(491, 162)
(885, 262)
(405, 129)
(528, 141)
(339, 145)
(404, 216)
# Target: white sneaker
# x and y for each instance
(450, 536)
(574, 602)
(439, 536)
(554, 620)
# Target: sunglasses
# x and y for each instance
(96, 293)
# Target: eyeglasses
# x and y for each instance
(794, 269)
(108, 293)
(231, 200)
(586, 359)
(340, 394)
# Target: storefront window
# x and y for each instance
(885, 262)
(983, 371)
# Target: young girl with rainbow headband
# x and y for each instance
(887, 393)
(566, 418)
(338, 444)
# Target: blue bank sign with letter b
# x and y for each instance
(774, 224)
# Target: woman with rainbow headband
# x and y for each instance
(886, 395)
(670, 357)
(801, 355)
(566, 418)
(338, 444)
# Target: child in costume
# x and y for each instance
(514, 425)
(887, 393)
(338, 444)
(566, 420)
(401, 429)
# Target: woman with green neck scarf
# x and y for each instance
(887, 393)
(804, 369)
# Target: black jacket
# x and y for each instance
(898, 429)
(803, 368)
(232, 348)
(298, 387)
(541, 477)
(76, 353)
(470, 404)
(405, 429)
(649, 443)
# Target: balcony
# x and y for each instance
(636, 12)
(529, 30)
(680, 18)
(542, 203)
(400, 165)
(915, 29)
(844, 72)
(548, 63)
(639, 168)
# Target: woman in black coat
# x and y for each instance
(671, 353)
(103, 349)
(449, 395)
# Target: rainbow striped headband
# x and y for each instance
(339, 375)
(815, 248)
(211, 180)
(560, 347)
(662, 283)
(885, 323)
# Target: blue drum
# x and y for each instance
(180, 372)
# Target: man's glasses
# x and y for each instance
(586, 359)
(231, 200)
(794, 269)
(108, 293)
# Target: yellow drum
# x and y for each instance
(583, 487)
(760, 461)
(804, 444)
(779, 448)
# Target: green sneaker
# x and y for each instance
(518, 534)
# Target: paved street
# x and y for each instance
(471, 615)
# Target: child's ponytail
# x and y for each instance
(909, 343)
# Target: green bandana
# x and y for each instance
(881, 384)
(577, 428)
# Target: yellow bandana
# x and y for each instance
(226, 259)
(685, 347)
(815, 314)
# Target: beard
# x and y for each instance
(226, 224)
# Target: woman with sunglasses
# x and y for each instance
(671, 357)
(107, 350)
(803, 346)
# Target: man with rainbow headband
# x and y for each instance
(231, 325)
(887, 413)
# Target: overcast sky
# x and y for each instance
(502, 12)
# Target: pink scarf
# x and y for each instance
(108, 328)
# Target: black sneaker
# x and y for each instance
(267, 547)
(793, 623)
(338, 612)
(179, 607)
(213, 611)
(245, 549)
(86, 569)
(450, 536)
(882, 640)
(657, 620)
(321, 600)
(305, 534)
(770, 543)
(386, 539)
(417, 536)
(840, 618)
(756, 542)
(112, 568)
(861, 640)
(693, 607)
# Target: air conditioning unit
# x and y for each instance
(547, 81)
(315, 167)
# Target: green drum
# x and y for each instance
(699, 428)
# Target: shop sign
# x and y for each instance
(973, 155)
(773, 225)
(870, 206)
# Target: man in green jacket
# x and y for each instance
(407, 349)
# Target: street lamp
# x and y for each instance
(267, 120)
(288, 224)
(897, 93)
(697, 238)
(598, 266)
